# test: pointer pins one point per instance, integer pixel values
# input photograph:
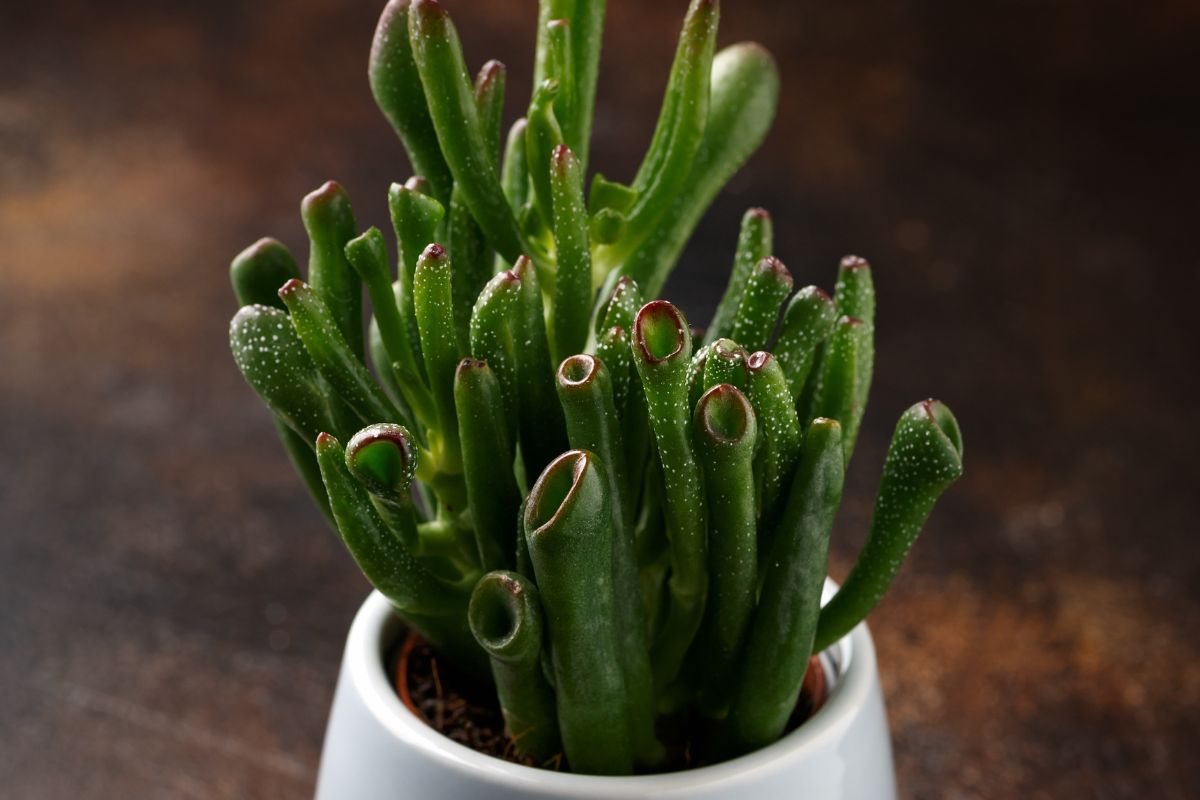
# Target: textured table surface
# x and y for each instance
(171, 607)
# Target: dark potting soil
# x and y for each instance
(467, 712)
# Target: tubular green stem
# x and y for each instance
(568, 531)
(438, 55)
(542, 136)
(329, 221)
(473, 258)
(399, 94)
(837, 392)
(256, 274)
(489, 99)
(381, 458)
(392, 375)
(638, 436)
(781, 635)
(681, 125)
(854, 296)
(473, 261)
(345, 372)
(380, 362)
(725, 362)
(487, 455)
(492, 340)
(505, 615)
(524, 563)
(514, 175)
(807, 323)
(368, 255)
(587, 26)
(258, 271)
(725, 433)
(687, 83)
(547, 10)
(586, 391)
(620, 306)
(924, 458)
(432, 607)
(382, 556)
(585, 20)
(415, 220)
(695, 375)
(573, 282)
(779, 430)
(542, 428)
(653, 552)
(562, 70)
(433, 296)
(767, 287)
(755, 242)
(613, 349)
(661, 347)
(745, 91)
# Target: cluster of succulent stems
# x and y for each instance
(561, 486)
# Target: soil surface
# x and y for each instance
(468, 713)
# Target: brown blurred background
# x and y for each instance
(172, 609)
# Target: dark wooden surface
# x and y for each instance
(172, 609)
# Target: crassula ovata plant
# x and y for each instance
(559, 485)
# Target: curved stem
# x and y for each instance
(924, 458)
(398, 92)
(745, 91)
(438, 55)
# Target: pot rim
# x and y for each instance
(376, 627)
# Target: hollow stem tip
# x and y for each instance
(660, 333)
(383, 458)
(558, 491)
(725, 416)
(505, 617)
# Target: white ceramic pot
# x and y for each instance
(376, 749)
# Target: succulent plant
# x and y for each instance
(550, 480)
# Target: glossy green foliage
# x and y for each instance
(623, 524)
